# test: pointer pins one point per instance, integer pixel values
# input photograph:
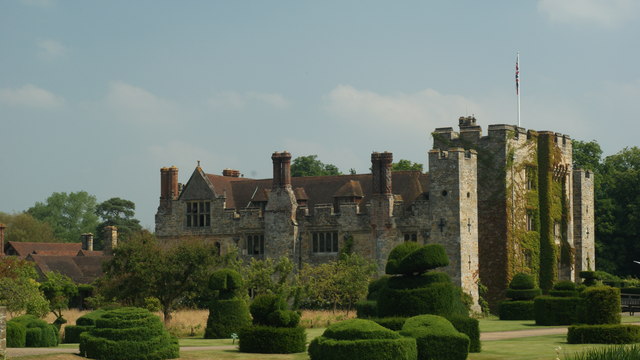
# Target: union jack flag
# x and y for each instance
(517, 75)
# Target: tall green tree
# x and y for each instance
(587, 155)
(24, 227)
(70, 215)
(58, 289)
(310, 166)
(120, 213)
(19, 290)
(403, 164)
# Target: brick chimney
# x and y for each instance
(231, 173)
(381, 172)
(2, 227)
(281, 170)
(87, 241)
(110, 239)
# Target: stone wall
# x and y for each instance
(584, 221)
(3, 332)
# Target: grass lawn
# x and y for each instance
(492, 323)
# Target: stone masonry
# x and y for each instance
(3, 332)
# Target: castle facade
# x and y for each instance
(502, 203)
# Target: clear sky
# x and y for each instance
(99, 95)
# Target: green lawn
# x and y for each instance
(492, 323)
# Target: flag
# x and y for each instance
(518, 75)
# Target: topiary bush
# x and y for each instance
(275, 329)
(361, 339)
(589, 278)
(436, 338)
(551, 310)
(37, 332)
(228, 313)
(438, 299)
(391, 323)
(564, 288)
(412, 258)
(367, 309)
(522, 281)
(601, 305)
(603, 334)
(469, 327)
(517, 310)
(521, 292)
(83, 324)
(16, 335)
(126, 334)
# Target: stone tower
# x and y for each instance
(280, 226)
(583, 220)
(454, 215)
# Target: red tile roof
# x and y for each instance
(23, 249)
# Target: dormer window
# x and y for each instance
(198, 213)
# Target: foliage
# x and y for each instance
(367, 309)
(409, 258)
(58, 289)
(38, 332)
(436, 338)
(84, 323)
(24, 227)
(272, 340)
(587, 155)
(392, 323)
(361, 339)
(403, 164)
(608, 353)
(141, 268)
(16, 335)
(269, 276)
(551, 310)
(517, 310)
(601, 305)
(227, 283)
(120, 213)
(69, 214)
(267, 310)
(525, 294)
(522, 281)
(439, 299)
(603, 334)
(469, 327)
(129, 333)
(19, 290)
(310, 166)
(547, 195)
(226, 317)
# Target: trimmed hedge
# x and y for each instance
(367, 309)
(438, 299)
(226, 317)
(361, 339)
(517, 310)
(522, 281)
(375, 286)
(436, 338)
(601, 305)
(391, 323)
(550, 310)
(523, 294)
(272, 340)
(83, 324)
(589, 277)
(565, 285)
(631, 290)
(418, 281)
(16, 335)
(37, 332)
(263, 305)
(397, 254)
(90, 318)
(127, 334)
(563, 293)
(226, 282)
(603, 334)
(469, 327)
(410, 257)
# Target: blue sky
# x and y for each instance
(98, 96)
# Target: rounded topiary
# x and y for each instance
(128, 333)
(367, 309)
(38, 332)
(565, 285)
(471, 328)
(228, 313)
(523, 294)
(601, 305)
(522, 281)
(361, 339)
(436, 338)
(375, 286)
(397, 254)
(84, 323)
(16, 335)
(411, 258)
(262, 307)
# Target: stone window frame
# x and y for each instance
(529, 221)
(198, 214)
(410, 236)
(251, 240)
(325, 242)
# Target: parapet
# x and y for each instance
(452, 153)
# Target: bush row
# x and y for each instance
(30, 331)
(272, 340)
(603, 334)
(436, 338)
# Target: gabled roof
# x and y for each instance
(81, 269)
(23, 249)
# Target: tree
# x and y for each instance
(24, 227)
(403, 164)
(69, 215)
(19, 290)
(310, 166)
(58, 289)
(269, 276)
(120, 213)
(587, 155)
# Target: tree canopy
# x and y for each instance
(18, 287)
(70, 215)
(24, 227)
(120, 213)
(310, 166)
(403, 164)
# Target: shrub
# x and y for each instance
(38, 333)
(226, 317)
(375, 286)
(589, 277)
(523, 294)
(550, 310)
(391, 323)
(410, 257)
(631, 290)
(83, 324)
(367, 309)
(418, 281)
(565, 285)
(263, 305)
(16, 335)
(438, 299)
(397, 254)
(469, 327)
(436, 338)
(361, 339)
(522, 281)
(272, 340)
(563, 293)
(603, 334)
(226, 282)
(517, 310)
(601, 305)
(90, 318)
(128, 333)
(608, 353)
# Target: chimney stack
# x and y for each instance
(110, 239)
(231, 173)
(2, 227)
(87, 241)
(281, 169)
(381, 172)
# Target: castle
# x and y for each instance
(502, 203)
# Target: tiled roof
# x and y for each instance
(81, 269)
(23, 249)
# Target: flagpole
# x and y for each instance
(518, 84)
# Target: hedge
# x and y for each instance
(391, 323)
(226, 282)
(37, 332)
(565, 285)
(16, 335)
(469, 327)
(361, 339)
(418, 281)
(272, 340)
(563, 293)
(409, 258)
(439, 299)
(90, 318)
(263, 305)
(601, 305)
(603, 334)
(522, 281)
(375, 286)
(516, 310)
(550, 310)
(128, 333)
(72, 333)
(367, 309)
(523, 294)
(631, 290)
(226, 317)
(436, 338)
